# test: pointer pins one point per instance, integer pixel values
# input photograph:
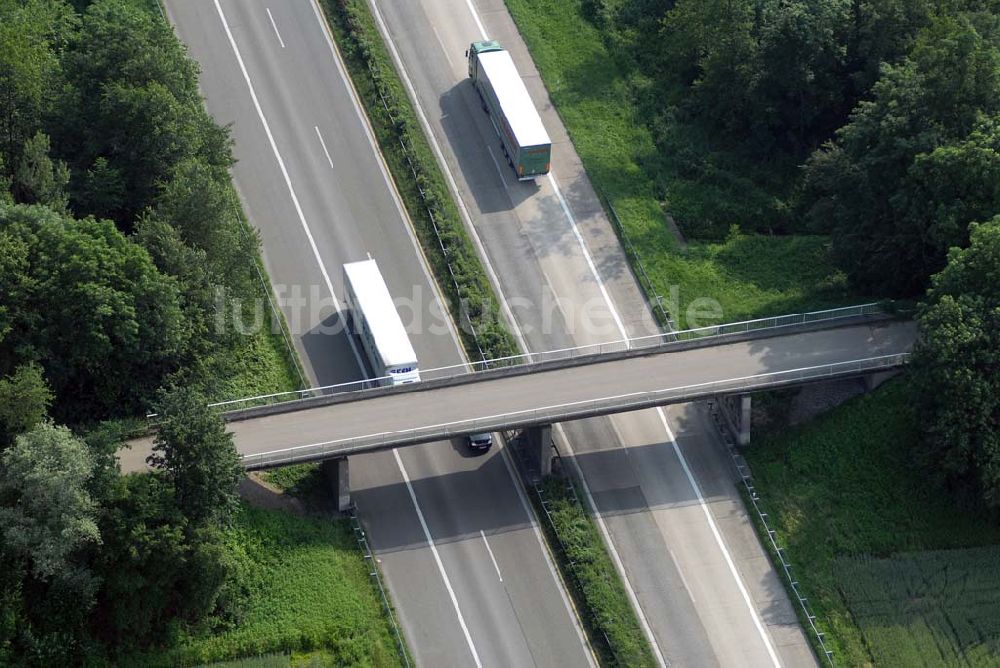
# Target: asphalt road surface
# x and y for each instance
(462, 555)
(508, 401)
(661, 479)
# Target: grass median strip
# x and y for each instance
(418, 178)
(608, 617)
(582, 556)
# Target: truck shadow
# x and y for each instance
(474, 143)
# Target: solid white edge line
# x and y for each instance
(452, 184)
(482, 252)
(587, 256)
(616, 558)
(570, 608)
(680, 456)
(284, 174)
(437, 557)
(275, 26)
(323, 144)
(475, 16)
(507, 312)
(490, 551)
(718, 539)
(405, 217)
(386, 176)
(566, 210)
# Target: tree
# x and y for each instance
(141, 563)
(47, 514)
(29, 69)
(13, 265)
(915, 165)
(24, 402)
(90, 307)
(155, 567)
(48, 527)
(101, 190)
(134, 103)
(956, 370)
(197, 454)
(39, 179)
(199, 203)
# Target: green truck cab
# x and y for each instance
(523, 138)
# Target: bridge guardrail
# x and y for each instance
(621, 345)
(570, 411)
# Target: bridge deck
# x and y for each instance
(364, 423)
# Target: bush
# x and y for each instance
(415, 170)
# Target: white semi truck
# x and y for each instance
(376, 323)
(523, 138)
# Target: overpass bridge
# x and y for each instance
(568, 387)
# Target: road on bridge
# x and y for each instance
(312, 430)
(462, 555)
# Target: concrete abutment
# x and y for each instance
(338, 475)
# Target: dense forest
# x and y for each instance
(120, 241)
(874, 122)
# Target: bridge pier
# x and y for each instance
(338, 474)
(736, 412)
(538, 446)
(873, 380)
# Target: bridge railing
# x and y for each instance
(620, 345)
(570, 411)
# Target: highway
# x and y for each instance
(460, 550)
(660, 479)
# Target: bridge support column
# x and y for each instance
(338, 474)
(873, 380)
(736, 415)
(538, 446)
(743, 438)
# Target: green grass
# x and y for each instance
(319, 658)
(470, 295)
(885, 559)
(306, 589)
(926, 608)
(260, 364)
(296, 479)
(748, 275)
(608, 616)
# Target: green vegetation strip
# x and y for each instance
(749, 275)
(421, 184)
(608, 617)
(304, 589)
(884, 558)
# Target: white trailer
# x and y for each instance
(376, 323)
(523, 138)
